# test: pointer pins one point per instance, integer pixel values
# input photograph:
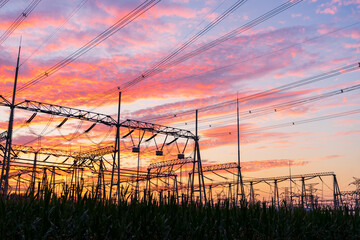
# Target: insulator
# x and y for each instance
(171, 141)
(128, 134)
(31, 118)
(181, 156)
(159, 153)
(62, 123)
(89, 129)
(151, 138)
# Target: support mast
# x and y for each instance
(240, 180)
(7, 155)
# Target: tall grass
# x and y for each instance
(87, 218)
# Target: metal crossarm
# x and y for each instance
(45, 151)
(170, 163)
(58, 110)
(278, 179)
(155, 128)
(63, 153)
(218, 167)
(98, 152)
(66, 112)
(283, 178)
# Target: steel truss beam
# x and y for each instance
(170, 163)
(107, 120)
(145, 177)
(52, 109)
(218, 167)
(284, 178)
(58, 110)
(278, 179)
(97, 152)
(155, 128)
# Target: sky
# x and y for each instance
(306, 40)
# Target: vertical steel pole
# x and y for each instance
(240, 180)
(116, 154)
(33, 178)
(196, 151)
(290, 183)
(53, 180)
(303, 191)
(118, 146)
(7, 155)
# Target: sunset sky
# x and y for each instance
(312, 37)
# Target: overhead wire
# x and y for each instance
(256, 112)
(336, 72)
(183, 46)
(321, 118)
(121, 23)
(158, 68)
(28, 10)
(77, 8)
(159, 65)
(213, 43)
(102, 139)
(3, 2)
(222, 68)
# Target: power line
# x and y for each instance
(336, 72)
(123, 22)
(78, 7)
(279, 107)
(19, 20)
(165, 63)
(212, 44)
(321, 118)
(222, 68)
(3, 2)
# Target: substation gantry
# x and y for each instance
(98, 118)
(305, 199)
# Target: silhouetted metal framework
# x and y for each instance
(63, 153)
(79, 160)
(219, 167)
(170, 163)
(4, 102)
(34, 167)
(68, 112)
(307, 176)
(3, 136)
(349, 193)
(337, 199)
(197, 169)
(155, 128)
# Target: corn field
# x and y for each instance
(87, 218)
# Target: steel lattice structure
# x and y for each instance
(219, 167)
(87, 158)
(3, 136)
(107, 120)
(170, 163)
